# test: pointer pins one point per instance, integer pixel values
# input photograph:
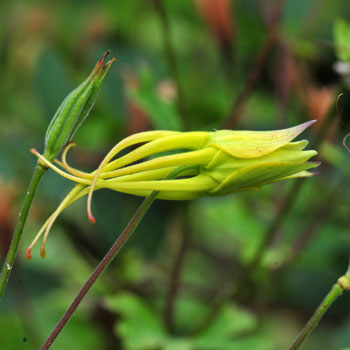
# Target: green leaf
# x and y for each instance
(140, 327)
(231, 321)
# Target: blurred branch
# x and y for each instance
(246, 273)
(171, 58)
(174, 282)
(322, 214)
(219, 16)
(283, 75)
(254, 74)
(343, 284)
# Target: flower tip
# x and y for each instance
(91, 218)
(307, 124)
(106, 54)
(315, 163)
(109, 63)
(43, 252)
(89, 212)
(28, 253)
(298, 129)
(99, 67)
(103, 58)
(34, 151)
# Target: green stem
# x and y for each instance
(108, 258)
(343, 284)
(12, 252)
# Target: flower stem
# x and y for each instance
(12, 252)
(343, 284)
(108, 258)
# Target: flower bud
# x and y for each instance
(74, 109)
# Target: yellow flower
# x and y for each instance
(215, 163)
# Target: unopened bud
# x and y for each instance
(74, 109)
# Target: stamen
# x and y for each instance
(42, 249)
(28, 253)
(90, 216)
(70, 198)
(131, 140)
(59, 171)
(68, 146)
(77, 192)
(68, 168)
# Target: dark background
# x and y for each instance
(239, 272)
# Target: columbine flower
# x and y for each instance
(215, 164)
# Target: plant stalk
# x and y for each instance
(39, 171)
(343, 284)
(108, 258)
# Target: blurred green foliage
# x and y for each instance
(186, 69)
(342, 38)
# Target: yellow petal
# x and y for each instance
(252, 144)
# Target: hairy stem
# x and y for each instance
(343, 284)
(12, 252)
(108, 258)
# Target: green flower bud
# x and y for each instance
(217, 163)
(74, 109)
